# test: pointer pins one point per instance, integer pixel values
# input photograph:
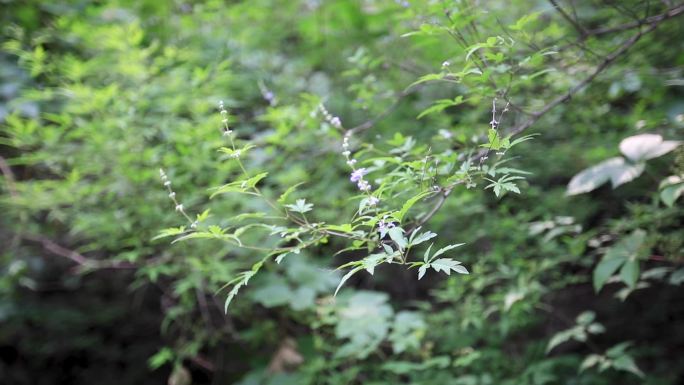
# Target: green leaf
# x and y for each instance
(671, 188)
(604, 270)
(397, 235)
(524, 20)
(422, 270)
(629, 273)
(243, 280)
(283, 197)
(613, 169)
(627, 364)
(371, 261)
(300, 206)
(345, 278)
(423, 237)
(441, 105)
(560, 338)
(170, 232)
(345, 228)
(238, 152)
(408, 204)
(445, 249)
(590, 361)
(626, 250)
(240, 186)
(446, 265)
(586, 317)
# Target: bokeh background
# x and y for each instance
(96, 96)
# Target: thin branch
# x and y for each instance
(582, 31)
(438, 205)
(371, 122)
(670, 13)
(535, 116)
(10, 180)
(626, 45)
(75, 256)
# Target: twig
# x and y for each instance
(670, 13)
(535, 116)
(9, 177)
(626, 45)
(582, 31)
(371, 122)
(75, 256)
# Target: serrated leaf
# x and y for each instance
(627, 364)
(239, 186)
(408, 204)
(300, 206)
(345, 278)
(446, 248)
(426, 255)
(237, 152)
(370, 262)
(422, 237)
(422, 270)
(283, 197)
(170, 232)
(447, 265)
(397, 235)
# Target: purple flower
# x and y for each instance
(363, 185)
(372, 201)
(383, 226)
(357, 175)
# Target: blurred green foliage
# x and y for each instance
(96, 96)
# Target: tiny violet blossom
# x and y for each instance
(357, 175)
(267, 94)
(372, 201)
(445, 134)
(364, 185)
(333, 120)
(383, 226)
